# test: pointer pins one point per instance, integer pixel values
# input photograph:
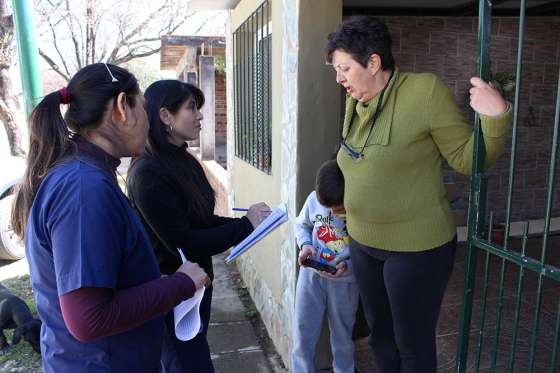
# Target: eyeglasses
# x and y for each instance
(356, 156)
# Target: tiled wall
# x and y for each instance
(447, 47)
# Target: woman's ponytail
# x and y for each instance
(49, 141)
(87, 96)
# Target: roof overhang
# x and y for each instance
(202, 5)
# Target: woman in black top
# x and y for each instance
(169, 188)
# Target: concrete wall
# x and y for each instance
(218, 178)
(207, 84)
(319, 113)
(319, 108)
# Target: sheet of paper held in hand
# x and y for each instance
(186, 315)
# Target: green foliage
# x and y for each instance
(504, 81)
(220, 64)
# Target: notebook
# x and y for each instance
(187, 316)
(277, 217)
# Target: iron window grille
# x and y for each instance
(252, 89)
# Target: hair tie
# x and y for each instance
(64, 95)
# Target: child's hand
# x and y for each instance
(340, 269)
(306, 250)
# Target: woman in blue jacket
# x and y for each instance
(97, 285)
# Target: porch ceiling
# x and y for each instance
(201, 5)
(441, 4)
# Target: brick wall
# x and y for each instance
(447, 47)
(221, 110)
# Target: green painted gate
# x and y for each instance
(483, 345)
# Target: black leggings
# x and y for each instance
(402, 294)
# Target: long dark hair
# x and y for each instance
(172, 94)
(87, 93)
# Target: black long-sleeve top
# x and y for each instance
(165, 209)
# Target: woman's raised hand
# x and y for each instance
(257, 213)
(485, 99)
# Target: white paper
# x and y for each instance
(278, 216)
(187, 314)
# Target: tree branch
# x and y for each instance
(204, 23)
(55, 43)
(124, 40)
(73, 35)
(131, 56)
(53, 65)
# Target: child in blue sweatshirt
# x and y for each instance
(321, 234)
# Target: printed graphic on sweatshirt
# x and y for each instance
(332, 240)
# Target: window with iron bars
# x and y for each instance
(252, 47)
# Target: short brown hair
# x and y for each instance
(362, 36)
(329, 184)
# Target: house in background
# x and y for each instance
(200, 60)
(285, 112)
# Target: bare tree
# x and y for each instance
(86, 31)
(8, 101)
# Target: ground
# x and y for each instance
(20, 358)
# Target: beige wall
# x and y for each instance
(249, 184)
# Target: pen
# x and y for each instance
(239, 209)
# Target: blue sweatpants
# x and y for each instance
(316, 294)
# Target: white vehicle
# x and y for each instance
(11, 172)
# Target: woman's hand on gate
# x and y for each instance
(485, 99)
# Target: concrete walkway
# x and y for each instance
(233, 342)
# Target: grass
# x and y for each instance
(21, 357)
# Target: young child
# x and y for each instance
(321, 234)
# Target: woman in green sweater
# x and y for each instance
(398, 130)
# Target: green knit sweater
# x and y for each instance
(394, 197)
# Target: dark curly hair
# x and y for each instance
(362, 36)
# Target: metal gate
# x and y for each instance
(488, 342)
